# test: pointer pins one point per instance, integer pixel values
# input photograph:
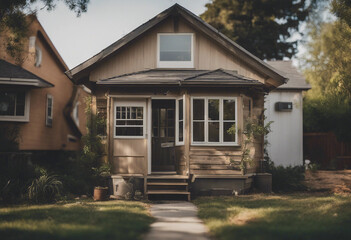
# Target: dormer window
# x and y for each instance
(175, 50)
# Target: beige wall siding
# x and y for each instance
(35, 135)
(141, 54)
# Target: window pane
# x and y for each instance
(20, 103)
(180, 131)
(175, 47)
(139, 113)
(7, 104)
(213, 109)
(198, 109)
(49, 107)
(198, 132)
(213, 131)
(228, 109)
(129, 131)
(180, 104)
(228, 137)
(170, 132)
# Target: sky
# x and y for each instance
(106, 21)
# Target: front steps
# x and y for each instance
(169, 185)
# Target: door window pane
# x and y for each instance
(129, 121)
(180, 105)
(198, 109)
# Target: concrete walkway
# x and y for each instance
(176, 220)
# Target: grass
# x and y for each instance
(80, 220)
(295, 216)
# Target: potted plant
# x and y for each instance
(101, 178)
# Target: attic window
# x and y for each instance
(38, 56)
(175, 50)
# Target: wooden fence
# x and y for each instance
(326, 150)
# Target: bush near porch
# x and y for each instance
(76, 220)
(293, 216)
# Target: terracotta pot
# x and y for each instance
(100, 193)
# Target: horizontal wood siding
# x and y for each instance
(141, 54)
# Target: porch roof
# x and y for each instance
(182, 78)
(11, 74)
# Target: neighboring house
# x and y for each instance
(38, 98)
(171, 89)
(284, 106)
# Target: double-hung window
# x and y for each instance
(214, 120)
(129, 120)
(175, 50)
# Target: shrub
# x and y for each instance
(44, 189)
(287, 179)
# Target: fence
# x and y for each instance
(326, 150)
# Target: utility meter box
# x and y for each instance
(283, 106)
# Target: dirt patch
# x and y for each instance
(332, 181)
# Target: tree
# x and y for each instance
(327, 105)
(15, 19)
(342, 9)
(263, 27)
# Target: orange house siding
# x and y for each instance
(35, 135)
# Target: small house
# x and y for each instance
(176, 94)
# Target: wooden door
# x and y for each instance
(163, 135)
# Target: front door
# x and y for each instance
(163, 131)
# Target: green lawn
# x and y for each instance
(296, 216)
(80, 220)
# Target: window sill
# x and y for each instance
(14, 119)
(217, 144)
(129, 137)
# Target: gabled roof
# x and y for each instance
(82, 70)
(11, 74)
(296, 79)
(182, 77)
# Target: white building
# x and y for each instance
(284, 108)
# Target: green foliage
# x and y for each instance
(287, 179)
(9, 137)
(263, 27)
(342, 9)
(45, 188)
(254, 128)
(327, 105)
(16, 174)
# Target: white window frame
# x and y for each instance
(175, 64)
(179, 143)
(47, 118)
(75, 112)
(130, 104)
(25, 118)
(221, 121)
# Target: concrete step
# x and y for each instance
(169, 192)
(167, 183)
